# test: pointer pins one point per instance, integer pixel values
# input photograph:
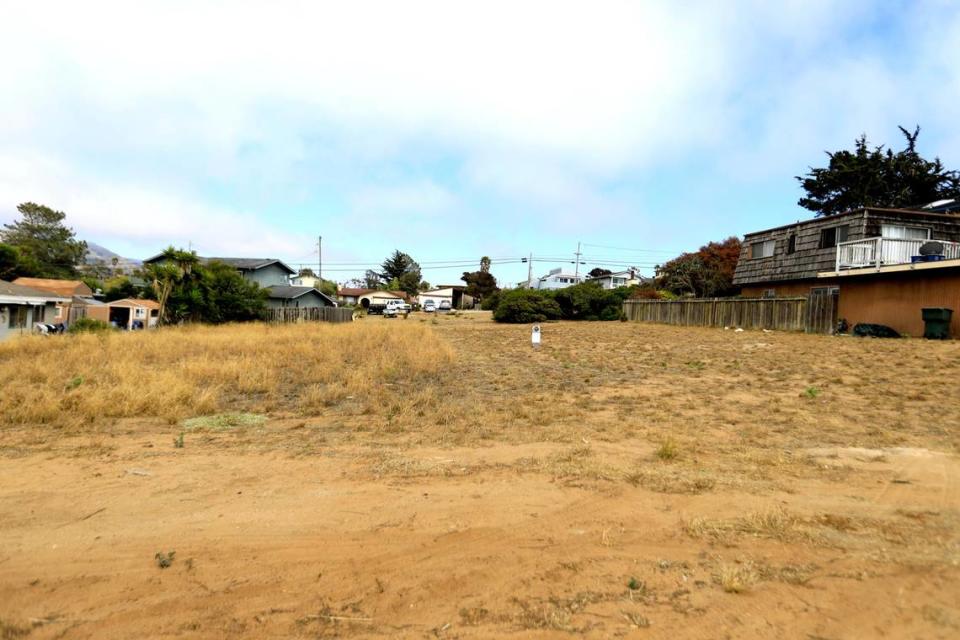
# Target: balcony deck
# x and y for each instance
(877, 253)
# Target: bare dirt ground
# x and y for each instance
(624, 480)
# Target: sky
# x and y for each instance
(453, 130)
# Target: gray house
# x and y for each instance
(21, 307)
(285, 296)
(266, 272)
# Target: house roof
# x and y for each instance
(135, 302)
(86, 302)
(11, 293)
(251, 264)
(615, 274)
(348, 291)
(907, 213)
(53, 285)
(243, 264)
(290, 292)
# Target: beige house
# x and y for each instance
(73, 291)
(129, 313)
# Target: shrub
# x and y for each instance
(490, 302)
(646, 293)
(526, 305)
(88, 325)
(590, 301)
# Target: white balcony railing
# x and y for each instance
(877, 252)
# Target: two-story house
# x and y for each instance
(557, 279)
(271, 274)
(871, 259)
(626, 278)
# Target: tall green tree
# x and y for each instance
(47, 247)
(875, 177)
(402, 268)
(480, 284)
(9, 262)
(172, 280)
(227, 296)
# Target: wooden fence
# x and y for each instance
(312, 314)
(784, 314)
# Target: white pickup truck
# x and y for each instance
(394, 308)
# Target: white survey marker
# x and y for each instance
(535, 336)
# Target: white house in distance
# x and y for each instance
(625, 278)
(306, 281)
(557, 279)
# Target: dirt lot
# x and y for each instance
(624, 480)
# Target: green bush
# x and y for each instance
(490, 302)
(526, 305)
(590, 301)
(88, 325)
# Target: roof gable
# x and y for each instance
(16, 291)
(57, 286)
(292, 292)
(243, 264)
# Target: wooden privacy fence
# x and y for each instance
(311, 314)
(784, 314)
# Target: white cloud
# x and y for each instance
(419, 199)
(113, 106)
(140, 218)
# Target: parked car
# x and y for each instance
(429, 306)
(390, 311)
(445, 305)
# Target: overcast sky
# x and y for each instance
(452, 130)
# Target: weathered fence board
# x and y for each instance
(313, 314)
(784, 314)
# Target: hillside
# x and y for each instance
(97, 253)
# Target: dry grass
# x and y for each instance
(736, 578)
(176, 373)
(519, 488)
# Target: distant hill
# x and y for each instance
(97, 254)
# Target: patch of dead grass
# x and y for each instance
(175, 373)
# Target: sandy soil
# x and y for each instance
(622, 481)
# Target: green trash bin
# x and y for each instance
(936, 323)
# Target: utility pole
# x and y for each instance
(576, 271)
(530, 272)
(320, 257)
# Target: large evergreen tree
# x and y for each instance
(403, 269)
(874, 177)
(47, 248)
(480, 284)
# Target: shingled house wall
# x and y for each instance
(809, 259)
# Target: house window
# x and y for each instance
(18, 317)
(139, 312)
(762, 249)
(769, 293)
(832, 236)
(898, 232)
(792, 243)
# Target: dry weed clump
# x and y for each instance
(736, 578)
(179, 372)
